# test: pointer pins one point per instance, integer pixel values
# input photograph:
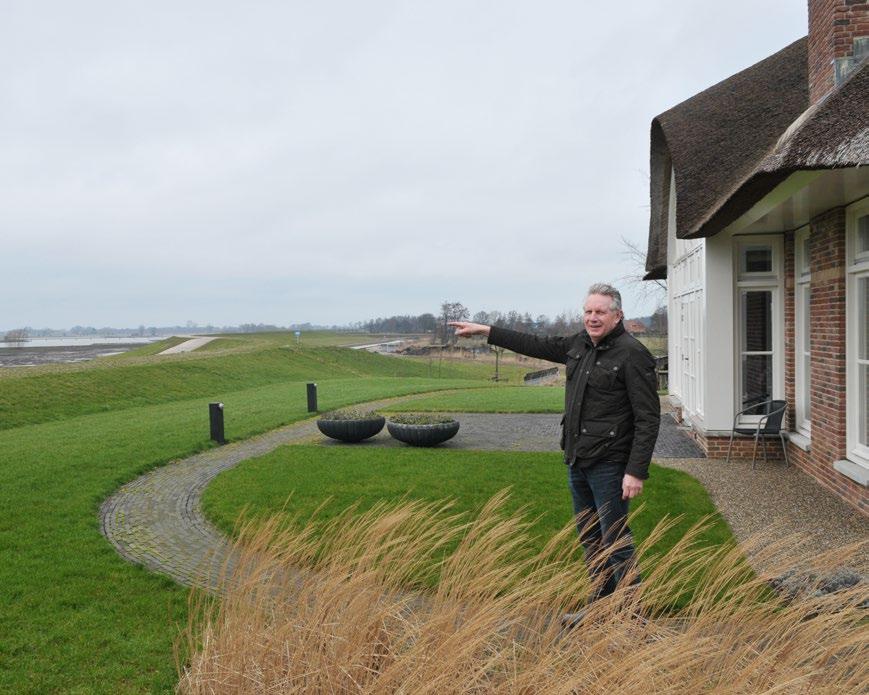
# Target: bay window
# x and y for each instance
(758, 332)
(857, 348)
(802, 331)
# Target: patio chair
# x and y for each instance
(769, 425)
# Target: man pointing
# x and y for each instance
(610, 424)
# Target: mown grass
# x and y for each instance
(656, 344)
(366, 476)
(501, 399)
(288, 338)
(76, 617)
(31, 397)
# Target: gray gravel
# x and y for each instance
(776, 500)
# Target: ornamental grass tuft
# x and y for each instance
(420, 419)
(339, 606)
(350, 414)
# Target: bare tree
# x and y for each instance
(635, 257)
(18, 335)
(452, 311)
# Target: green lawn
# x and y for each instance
(75, 617)
(283, 339)
(502, 399)
(33, 396)
(364, 475)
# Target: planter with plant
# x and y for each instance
(350, 424)
(422, 429)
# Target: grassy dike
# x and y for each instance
(75, 617)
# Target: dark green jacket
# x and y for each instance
(611, 406)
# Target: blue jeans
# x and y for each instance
(601, 520)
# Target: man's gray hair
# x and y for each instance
(607, 291)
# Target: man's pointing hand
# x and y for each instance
(466, 328)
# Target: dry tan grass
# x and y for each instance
(491, 622)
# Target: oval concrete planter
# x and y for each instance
(351, 430)
(423, 435)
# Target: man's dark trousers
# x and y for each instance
(601, 521)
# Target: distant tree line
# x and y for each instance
(563, 324)
(424, 323)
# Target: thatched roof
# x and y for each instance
(715, 142)
(832, 134)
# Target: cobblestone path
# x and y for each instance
(156, 520)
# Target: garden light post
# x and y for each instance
(312, 397)
(215, 414)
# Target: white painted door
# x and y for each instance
(689, 321)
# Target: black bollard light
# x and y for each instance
(215, 414)
(312, 398)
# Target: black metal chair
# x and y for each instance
(769, 425)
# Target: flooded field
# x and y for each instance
(57, 350)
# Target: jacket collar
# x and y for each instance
(608, 339)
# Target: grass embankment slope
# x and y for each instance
(28, 397)
(75, 616)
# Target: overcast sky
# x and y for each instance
(332, 161)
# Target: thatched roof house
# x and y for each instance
(759, 221)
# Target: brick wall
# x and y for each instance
(828, 375)
(833, 26)
(827, 261)
(743, 447)
(829, 402)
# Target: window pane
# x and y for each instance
(757, 321)
(863, 234)
(862, 320)
(758, 259)
(756, 379)
(863, 354)
(804, 327)
(807, 318)
(806, 396)
(806, 259)
(863, 415)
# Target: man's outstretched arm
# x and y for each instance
(553, 349)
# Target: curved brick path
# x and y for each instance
(156, 520)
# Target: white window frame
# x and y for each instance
(764, 281)
(857, 268)
(802, 330)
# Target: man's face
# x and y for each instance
(599, 317)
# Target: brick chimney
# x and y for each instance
(838, 41)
